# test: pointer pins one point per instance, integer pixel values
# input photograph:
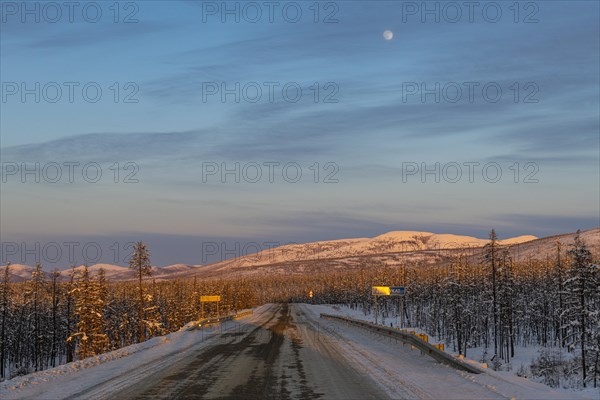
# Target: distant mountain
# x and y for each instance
(20, 273)
(113, 272)
(119, 273)
(546, 247)
(388, 243)
(393, 248)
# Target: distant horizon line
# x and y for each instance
(427, 234)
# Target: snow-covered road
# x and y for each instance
(268, 358)
(283, 351)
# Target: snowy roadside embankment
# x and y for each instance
(14, 386)
(132, 362)
(498, 380)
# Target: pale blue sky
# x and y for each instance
(170, 54)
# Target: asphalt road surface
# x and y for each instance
(283, 356)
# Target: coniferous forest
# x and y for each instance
(491, 302)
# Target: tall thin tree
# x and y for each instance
(55, 276)
(491, 257)
(583, 287)
(140, 263)
(559, 281)
(70, 318)
(4, 298)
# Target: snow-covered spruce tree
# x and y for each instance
(99, 284)
(459, 311)
(491, 250)
(121, 312)
(55, 276)
(70, 314)
(152, 312)
(5, 296)
(90, 335)
(595, 352)
(558, 281)
(35, 298)
(505, 309)
(581, 312)
(140, 263)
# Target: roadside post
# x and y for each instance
(209, 299)
(377, 291)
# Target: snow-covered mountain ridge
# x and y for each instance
(390, 242)
(19, 272)
(392, 248)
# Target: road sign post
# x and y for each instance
(400, 311)
(377, 291)
(375, 308)
(209, 299)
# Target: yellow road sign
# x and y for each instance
(210, 298)
(380, 291)
(387, 290)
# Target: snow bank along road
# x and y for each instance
(283, 351)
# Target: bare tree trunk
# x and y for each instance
(583, 331)
(141, 310)
(4, 316)
(597, 365)
(495, 304)
(54, 324)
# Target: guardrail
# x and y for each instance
(243, 314)
(231, 317)
(426, 348)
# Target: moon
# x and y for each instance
(388, 35)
